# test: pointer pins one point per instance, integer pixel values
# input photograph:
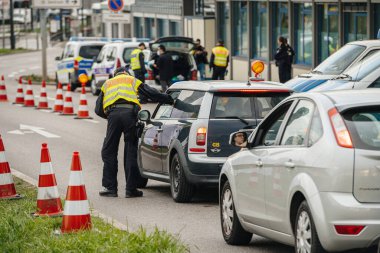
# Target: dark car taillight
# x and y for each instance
(201, 136)
(341, 132)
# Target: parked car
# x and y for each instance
(77, 58)
(309, 175)
(112, 56)
(365, 74)
(334, 65)
(179, 48)
(186, 144)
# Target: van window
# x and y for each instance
(111, 54)
(69, 52)
(375, 84)
(164, 110)
(127, 54)
(89, 52)
(364, 127)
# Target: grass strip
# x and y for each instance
(6, 51)
(20, 232)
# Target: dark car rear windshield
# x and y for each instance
(244, 105)
(89, 52)
(364, 127)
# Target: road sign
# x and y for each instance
(115, 5)
(56, 4)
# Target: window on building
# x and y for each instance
(259, 39)
(303, 33)
(328, 37)
(115, 30)
(127, 30)
(138, 27)
(150, 28)
(376, 22)
(199, 7)
(280, 22)
(224, 31)
(174, 28)
(162, 29)
(355, 22)
(240, 28)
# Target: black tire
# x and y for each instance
(94, 90)
(235, 233)
(182, 191)
(304, 217)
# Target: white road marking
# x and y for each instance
(49, 98)
(92, 121)
(21, 71)
(35, 67)
(43, 110)
(16, 132)
(39, 130)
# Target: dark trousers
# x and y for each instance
(284, 72)
(141, 76)
(218, 73)
(120, 121)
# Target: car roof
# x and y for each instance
(124, 44)
(367, 43)
(81, 43)
(228, 85)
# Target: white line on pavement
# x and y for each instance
(21, 71)
(92, 121)
(34, 67)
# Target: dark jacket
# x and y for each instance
(200, 55)
(281, 55)
(142, 62)
(165, 66)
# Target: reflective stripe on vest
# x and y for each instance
(135, 59)
(221, 55)
(120, 87)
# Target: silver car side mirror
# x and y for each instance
(144, 115)
(239, 139)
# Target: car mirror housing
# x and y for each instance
(144, 115)
(239, 139)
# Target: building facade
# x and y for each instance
(315, 29)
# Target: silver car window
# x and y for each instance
(164, 111)
(297, 127)
(316, 129)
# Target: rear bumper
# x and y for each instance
(344, 209)
(204, 170)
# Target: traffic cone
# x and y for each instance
(76, 215)
(7, 187)
(83, 112)
(68, 108)
(58, 103)
(43, 102)
(29, 97)
(20, 93)
(48, 200)
(3, 91)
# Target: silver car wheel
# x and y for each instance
(227, 212)
(303, 233)
(177, 176)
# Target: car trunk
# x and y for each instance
(364, 127)
(233, 111)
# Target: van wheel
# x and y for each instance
(232, 230)
(306, 236)
(94, 90)
(182, 191)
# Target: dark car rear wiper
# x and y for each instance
(316, 72)
(343, 76)
(236, 117)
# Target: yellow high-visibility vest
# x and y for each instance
(135, 59)
(121, 87)
(221, 55)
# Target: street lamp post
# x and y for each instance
(13, 41)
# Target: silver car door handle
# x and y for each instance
(290, 165)
(259, 163)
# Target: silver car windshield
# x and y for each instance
(340, 60)
(364, 68)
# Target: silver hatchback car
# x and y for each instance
(309, 175)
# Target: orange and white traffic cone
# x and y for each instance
(20, 93)
(58, 103)
(76, 215)
(43, 102)
(7, 186)
(3, 91)
(68, 108)
(48, 200)
(83, 112)
(29, 97)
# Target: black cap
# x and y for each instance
(119, 71)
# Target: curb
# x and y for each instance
(107, 219)
(25, 81)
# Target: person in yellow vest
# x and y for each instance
(220, 57)
(120, 104)
(138, 66)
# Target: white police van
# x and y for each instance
(112, 56)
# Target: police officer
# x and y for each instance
(138, 66)
(121, 106)
(284, 57)
(219, 61)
